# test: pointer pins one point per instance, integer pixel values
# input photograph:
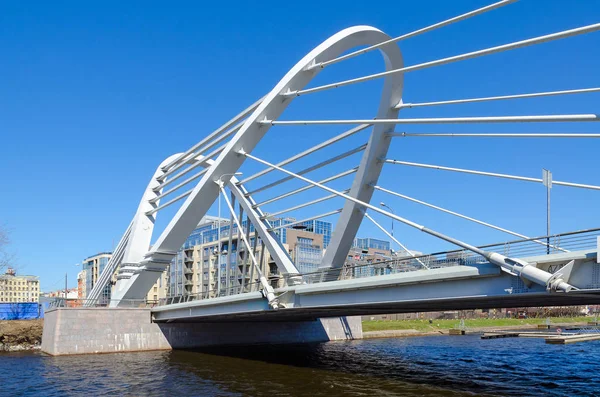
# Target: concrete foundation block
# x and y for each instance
(111, 330)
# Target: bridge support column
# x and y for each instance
(69, 331)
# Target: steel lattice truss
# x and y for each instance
(327, 181)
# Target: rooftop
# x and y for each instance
(10, 273)
(98, 254)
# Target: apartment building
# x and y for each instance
(17, 288)
(214, 260)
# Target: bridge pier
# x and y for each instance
(86, 330)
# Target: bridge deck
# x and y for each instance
(454, 288)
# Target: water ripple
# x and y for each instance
(417, 366)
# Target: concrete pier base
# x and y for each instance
(103, 330)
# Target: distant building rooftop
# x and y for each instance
(98, 254)
(10, 272)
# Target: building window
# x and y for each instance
(304, 241)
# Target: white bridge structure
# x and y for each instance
(335, 172)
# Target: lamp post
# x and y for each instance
(392, 211)
(547, 181)
(220, 183)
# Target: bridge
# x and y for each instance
(336, 174)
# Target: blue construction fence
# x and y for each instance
(21, 311)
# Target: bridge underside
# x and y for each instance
(466, 303)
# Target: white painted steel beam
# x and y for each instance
(370, 165)
(307, 204)
(402, 105)
(493, 174)
(414, 200)
(493, 135)
(369, 169)
(245, 131)
(302, 189)
(228, 162)
(445, 120)
(429, 28)
(409, 252)
(137, 243)
(312, 218)
(512, 266)
(469, 55)
(213, 134)
(311, 150)
(449, 288)
(170, 202)
(113, 264)
(278, 252)
(230, 248)
(311, 168)
(200, 162)
(199, 155)
(178, 186)
(143, 223)
(267, 289)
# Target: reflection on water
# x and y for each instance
(419, 366)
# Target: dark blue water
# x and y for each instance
(418, 366)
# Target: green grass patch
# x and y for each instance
(436, 325)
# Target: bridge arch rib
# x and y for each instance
(250, 133)
(239, 138)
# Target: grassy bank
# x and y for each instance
(438, 325)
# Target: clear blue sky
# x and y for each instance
(94, 96)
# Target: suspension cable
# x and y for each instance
(414, 200)
(506, 176)
(446, 120)
(311, 150)
(413, 34)
(455, 58)
(304, 188)
(395, 240)
(311, 168)
(402, 105)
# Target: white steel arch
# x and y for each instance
(223, 152)
(135, 242)
(249, 134)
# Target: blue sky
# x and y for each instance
(94, 96)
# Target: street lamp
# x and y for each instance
(547, 181)
(392, 211)
(220, 183)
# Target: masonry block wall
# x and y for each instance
(103, 330)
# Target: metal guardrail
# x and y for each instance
(101, 302)
(558, 243)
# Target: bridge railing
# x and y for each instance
(544, 245)
(100, 302)
(559, 243)
(352, 269)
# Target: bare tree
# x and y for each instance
(6, 258)
(16, 311)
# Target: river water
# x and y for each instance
(417, 366)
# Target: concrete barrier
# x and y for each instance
(103, 330)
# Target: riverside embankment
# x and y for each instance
(406, 328)
(19, 335)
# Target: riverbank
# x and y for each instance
(407, 328)
(19, 335)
